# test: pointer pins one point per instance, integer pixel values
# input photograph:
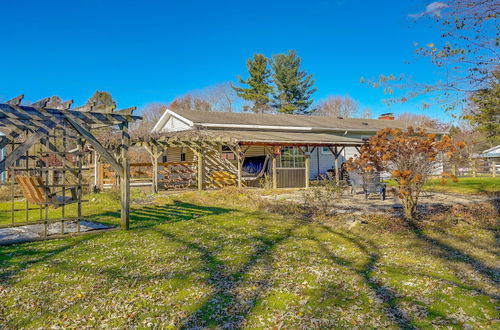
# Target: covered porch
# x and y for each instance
(217, 158)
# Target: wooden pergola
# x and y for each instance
(26, 126)
(199, 142)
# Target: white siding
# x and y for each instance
(325, 160)
(174, 125)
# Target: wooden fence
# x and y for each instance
(171, 175)
(473, 168)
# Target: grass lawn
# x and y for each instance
(214, 259)
(479, 185)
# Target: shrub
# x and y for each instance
(410, 156)
(322, 197)
(266, 182)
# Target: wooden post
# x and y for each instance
(276, 153)
(275, 172)
(494, 169)
(125, 178)
(97, 172)
(473, 168)
(240, 167)
(199, 155)
(307, 158)
(154, 174)
(454, 169)
(337, 167)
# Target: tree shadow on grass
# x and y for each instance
(383, 293)
(222, 308)
(34, 256)
(447, 252)
(153, 215)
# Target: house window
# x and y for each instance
(183, 156)
(164, 159)
(227, 153)
(291, 157)
(325, 151)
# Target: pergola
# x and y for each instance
(37, 124)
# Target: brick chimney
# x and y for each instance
(386, 116)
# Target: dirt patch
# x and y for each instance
(36, 231)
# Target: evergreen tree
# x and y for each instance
(485, 110)
(100, 101)
(294, 88)
(259, 85)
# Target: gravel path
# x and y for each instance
(357, 204)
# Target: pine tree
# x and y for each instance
(259, 85)
(294, 88)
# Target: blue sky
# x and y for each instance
(152, 51)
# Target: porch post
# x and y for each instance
(473, 165)
(275, 173)
(240, 165)
(337, 174)
(307, 162)
(276, 153)
(494, 169)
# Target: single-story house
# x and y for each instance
(301, 147)
(491, 154)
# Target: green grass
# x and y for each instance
(213, 259)
(480, 185)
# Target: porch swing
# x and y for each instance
(36, 192)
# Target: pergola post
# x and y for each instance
(154, 152)
(125, 177)
(199, 155)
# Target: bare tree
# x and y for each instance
(366, 113)
(464, 55)
(219, 97)
(151, 113)
(423, 121)
(338, 106)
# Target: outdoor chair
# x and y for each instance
(36, 192)
(369, 183)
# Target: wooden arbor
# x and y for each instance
(26, 126)
(204, 145)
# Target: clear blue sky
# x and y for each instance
(152, 51)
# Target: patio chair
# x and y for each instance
(370, 183)
(36, 192)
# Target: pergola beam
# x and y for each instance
(17, 153)
(96, 145)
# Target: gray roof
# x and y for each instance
(270, 137)
(319, 122)
(267, 137)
